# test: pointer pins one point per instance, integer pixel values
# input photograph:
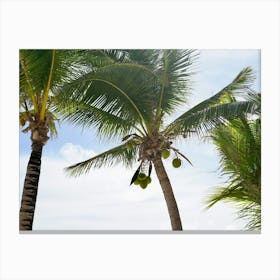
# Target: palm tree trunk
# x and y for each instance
(168, 194)
(30, 187)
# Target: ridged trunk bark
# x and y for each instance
(30, 188)
(168, 194)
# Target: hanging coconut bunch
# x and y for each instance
(141, 177)
(151, 148)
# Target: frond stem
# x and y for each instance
(46, 93)
(29, 84)
(162, 89)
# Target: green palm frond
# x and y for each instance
(120, 89)
(239, 146)
(252, 213)
(175, 76)
(174, 69)
(203, 121)
(235, 194)
(138, 86)
(41, 72)
(150, 58)
(256, 99)
(246, 208)
(125, 153)
(240, 85)
(36, 66)
(93, 59)
(108, 124)
(213, 111)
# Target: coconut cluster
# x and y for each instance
(151, 148)
(143, 180)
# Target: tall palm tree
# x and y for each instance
(239, 145)
(131, 100)
(41, 71)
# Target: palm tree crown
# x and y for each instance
(131, 99)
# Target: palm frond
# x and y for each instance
(232, 193)
(246, 208)
(252, 213)
(108, 124)
(41, 72)
(175, 75)
(125, 154)
(205, 120)
(174, 69)
(107, 89)
(239, 146)
(198, 114)
(150, 58)
(36, 66)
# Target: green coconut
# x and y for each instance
(143, 184)
(176, 162)
(136, 182)
(141, 177)
(165, 153)
(148, 180)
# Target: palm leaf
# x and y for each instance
(107, 89)
(252, 213)
(207, 119)
(239, 146)
(36, 66)
(108, 124)
(119, 154)
(198, 113)
(176, 75)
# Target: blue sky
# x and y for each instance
(103, 199)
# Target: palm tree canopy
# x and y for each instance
(149, 83)
(129, 96)
(41, 72)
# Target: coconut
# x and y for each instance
(148, 180)
(136, 182)
(176, 162)
(143, 184)
(165, 153)
(141, 177)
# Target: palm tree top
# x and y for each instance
(129, 95)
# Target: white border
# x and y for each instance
(176, 24)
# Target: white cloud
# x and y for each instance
(72, 153)
(103, 198)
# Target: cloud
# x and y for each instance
(71, 153)
(103, 199)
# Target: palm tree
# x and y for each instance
(239, 145)
(41, 71)
(132, 100)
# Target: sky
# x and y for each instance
(103, 199)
